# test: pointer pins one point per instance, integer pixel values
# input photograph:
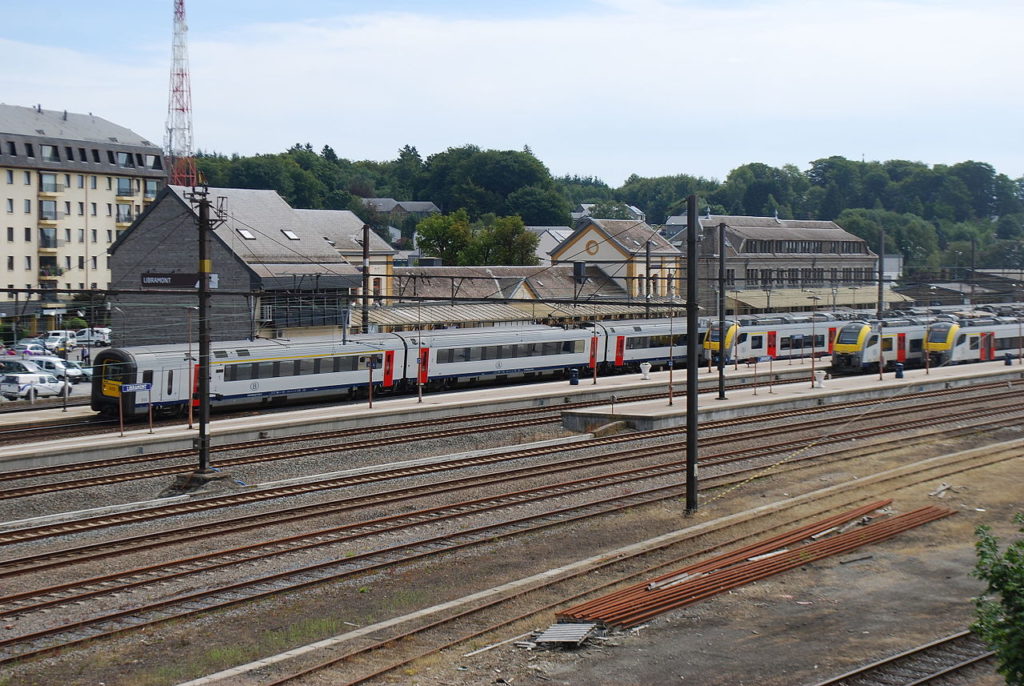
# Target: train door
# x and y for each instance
(901, 347)
(389, 368)
(987, 345)
(831, 338)
(593, 352)
(773, 349)
(423, 362)
(620, 350)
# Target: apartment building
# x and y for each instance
(70, 184)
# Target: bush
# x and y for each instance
(1001, 607)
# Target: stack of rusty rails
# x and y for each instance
(639, 603)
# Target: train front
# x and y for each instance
(714, 342)
(938, 342)
(111, 367)
(848, 351)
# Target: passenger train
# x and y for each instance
(274, 372)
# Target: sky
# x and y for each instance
(603, 88)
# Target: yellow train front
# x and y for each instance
(713, 340)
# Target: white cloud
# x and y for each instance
(652, 87)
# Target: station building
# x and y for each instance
(277, 271)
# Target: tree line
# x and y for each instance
(937, 217)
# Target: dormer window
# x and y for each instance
(290, 235)
(246, 234)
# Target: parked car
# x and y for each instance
(86, 370)
(59, 368)
(13, 366)
(31, 386)
(31, 349)
(94, 336)
(31, 341)
(60, 338)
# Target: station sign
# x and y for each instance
(112, 388)
(135, 387)
(171, 280)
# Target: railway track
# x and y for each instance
(400, 433)
(931, 663)
(42, 642)
(251, 497)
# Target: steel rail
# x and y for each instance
(35, 533)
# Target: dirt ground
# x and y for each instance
(801, 626)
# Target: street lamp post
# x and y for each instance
(814, 333)
(768, 297)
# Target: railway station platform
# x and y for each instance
(785, 384)
(767, 395)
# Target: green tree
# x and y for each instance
(501, 241)
(445, 236)
(539, 206)
(1001, 607)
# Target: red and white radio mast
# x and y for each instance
(178, 139)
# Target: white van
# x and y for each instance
(59, 368)
(31, 386)
(96, 336)
(52, 339)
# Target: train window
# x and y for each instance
(220, 354)
(579, 346)
(238, 372)
(872, 341)
(242, 352)
(475, 354)
(785, 342)
(551, 348)
(886, 344)
(264, 370)
(170, 381)
(756, 342)
(974, 342)
(492, 352)
(147, 376)
(526, 350)
(915, 345)
(742, 338)
(960, 340)
(304, 367)
(508, 352)
(848, 335)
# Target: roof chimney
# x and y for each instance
(39, 109)
(65, 115)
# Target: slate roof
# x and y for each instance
(631, 235)
(342, 227)
(770, 228)
(28, 121)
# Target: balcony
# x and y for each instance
(48, 242)
(50, 273)
(50, 188)
(47, 215)
(126, 192)
(124, 219)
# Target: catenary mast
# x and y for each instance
(178, 138)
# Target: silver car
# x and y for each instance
(59, 368)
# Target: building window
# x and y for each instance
(48, 210)
(28, 234)
(124, 159)
(92, 209)
(29, 150)
(11, 150)
(92, 182)
(93, 260)
(151, 186)
(81, 262)
(124, 186)
(95, 157)
(28, 206)
(28, 178)
(67, 181)
(82, 157)
(67, 262)
(246, 234)
(81, 209)
(49, 153)
(10, 176)
(110, 236)
(28, 262)
(124, 212)
(67, 208)
(154, 162)
(81, 235)
(110, 210)
(81, 180)
(10, 263)
(10, 234)
(69, 153)
(48, 183)
(10, 205)
(290, 235)
(67, 235)
(110, 157)
(93, 233)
